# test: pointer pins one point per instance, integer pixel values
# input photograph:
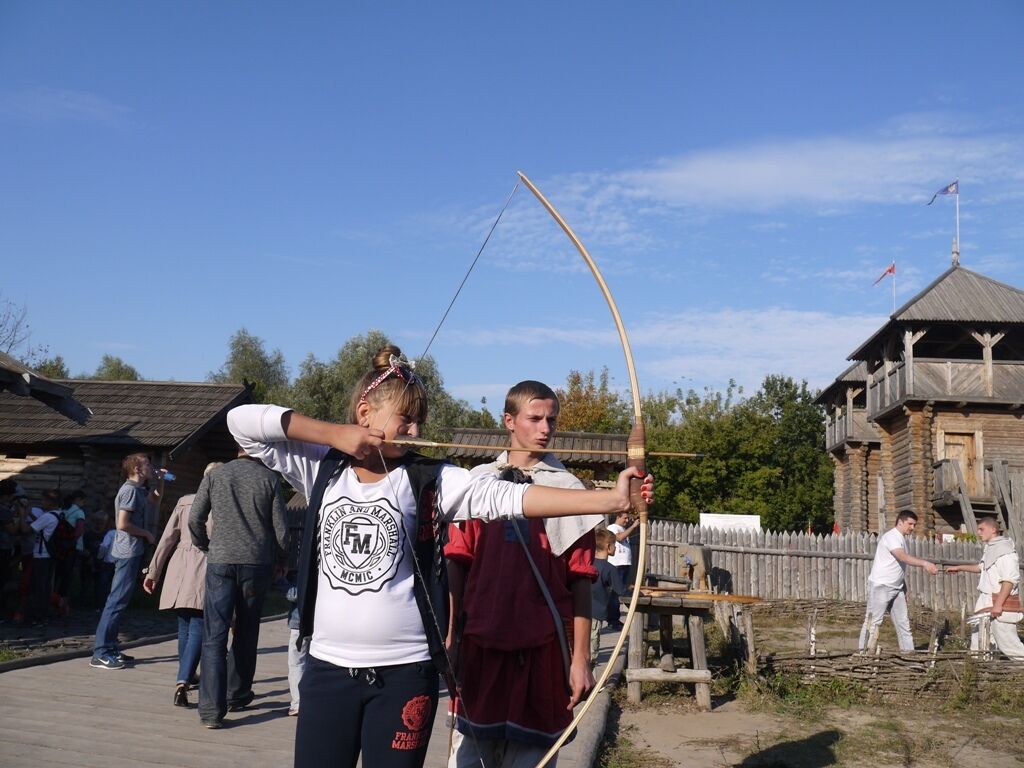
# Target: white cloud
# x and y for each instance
(624, 216)
(49, 105)
(827, 173)
(710, 348)
(747, 344)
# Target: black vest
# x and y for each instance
(427, 550)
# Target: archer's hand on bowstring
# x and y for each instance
(352, 439)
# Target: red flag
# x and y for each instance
(890, 270)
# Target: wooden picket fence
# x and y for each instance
(801, 566)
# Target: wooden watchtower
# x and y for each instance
(934, 396)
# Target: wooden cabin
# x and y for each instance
(933, 397)
(182, 426)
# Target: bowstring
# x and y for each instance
(394, 491)
(448, 309)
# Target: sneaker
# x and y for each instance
(106, 662)
(181, 695)
(124, 658)
(212, 724)
(242, 702)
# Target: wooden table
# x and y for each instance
(665, 604)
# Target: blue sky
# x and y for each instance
(742, 172)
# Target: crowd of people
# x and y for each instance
(42, 575)
(390, 537)
(407, 570)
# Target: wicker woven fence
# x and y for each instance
(937, 677)
(800, 566)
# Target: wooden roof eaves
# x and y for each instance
(971, 401)
(562, 440)
(20, 380)
(848, 376)
(183, 447)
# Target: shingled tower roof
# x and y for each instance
(958, 295)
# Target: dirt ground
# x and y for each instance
(733, 737)
(748, 729)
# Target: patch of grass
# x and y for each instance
(788, 695)
(9, 655)
(1005, 699)
(966, 690)
(623, 752)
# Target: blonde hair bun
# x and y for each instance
(382, 360)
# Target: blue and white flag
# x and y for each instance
(951, 189)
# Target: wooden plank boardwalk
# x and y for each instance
(69, 714)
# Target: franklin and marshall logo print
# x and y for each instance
(360, 549)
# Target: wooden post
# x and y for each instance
(985, 638)
(699, 655)
(748, 636)
(880, 489)
(908, 359)
(1015, 507)
(668, 662)
(965, 500)
(635, 657)
(987, 340)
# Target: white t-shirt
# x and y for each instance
(43, 523)
(623, 552)
(366, 613)
(886, 569)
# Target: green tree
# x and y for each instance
(53, 368)
(804, 496)
(113, 368)
(248, 360)
(762, 455)
(324, 389)
(588, 404)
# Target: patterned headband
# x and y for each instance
(401, 367)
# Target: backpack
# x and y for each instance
(62, 542)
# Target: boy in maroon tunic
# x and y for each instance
(517, 693)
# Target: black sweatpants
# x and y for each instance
(386, 713)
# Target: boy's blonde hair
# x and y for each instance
(603, 538)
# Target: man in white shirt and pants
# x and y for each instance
(887, 589)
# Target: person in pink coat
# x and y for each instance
(183, 567)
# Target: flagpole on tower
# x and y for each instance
(894, 286)
(956, 246)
